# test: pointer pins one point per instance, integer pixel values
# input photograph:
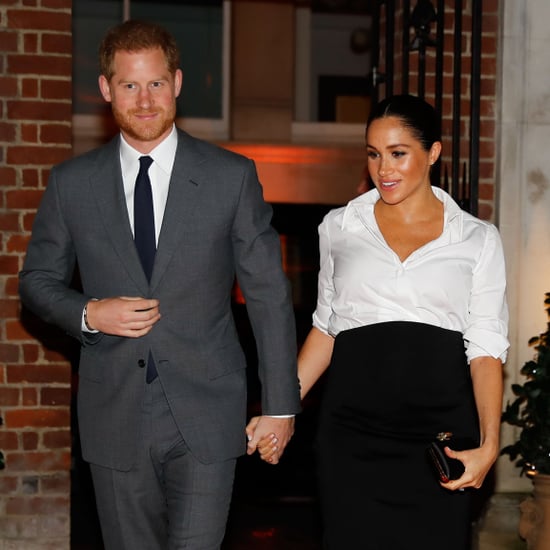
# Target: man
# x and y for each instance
(162, 387)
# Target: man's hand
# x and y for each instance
(123, 316)
(269, 436)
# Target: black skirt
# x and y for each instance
(390, 389)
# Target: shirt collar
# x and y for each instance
(163, 154)
(450, 207)
(365, 204)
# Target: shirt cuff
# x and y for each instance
(84, 324)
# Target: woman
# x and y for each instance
(412, 319)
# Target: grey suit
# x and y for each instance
(216, 225)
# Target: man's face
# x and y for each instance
(142, 93)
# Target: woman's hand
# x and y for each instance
(487, 382)
(267, 448)
(269, 436)
(477, 464)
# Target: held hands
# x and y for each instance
(477, 463)
(123, 316)
(269, 436)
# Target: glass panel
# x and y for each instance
(333, 61)
(338, 68)
(91, 18)
(198, 29)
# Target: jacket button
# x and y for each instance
(141, 363)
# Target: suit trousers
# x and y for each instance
(168, 500)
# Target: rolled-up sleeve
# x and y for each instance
(487, 329)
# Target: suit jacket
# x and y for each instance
(216, 225)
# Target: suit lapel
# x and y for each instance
(108, 190)
(182, 196)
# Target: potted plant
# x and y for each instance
(530, 411)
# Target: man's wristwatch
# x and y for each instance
(86, 318)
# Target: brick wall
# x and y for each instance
(35, 371)
(489, 44)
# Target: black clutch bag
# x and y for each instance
(448, 468)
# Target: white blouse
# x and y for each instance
(456, 282)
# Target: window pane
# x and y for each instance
(339, 70)
(333, 61)
(198, 29)
(91, 18)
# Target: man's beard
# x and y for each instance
(147, 130)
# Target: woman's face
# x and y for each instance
(398, 164)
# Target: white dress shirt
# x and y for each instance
(456, 281)
(163, 156)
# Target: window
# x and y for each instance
(333, 62)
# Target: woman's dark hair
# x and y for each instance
(416, 114)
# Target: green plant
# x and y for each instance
(531, 409)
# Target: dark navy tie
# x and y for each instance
(144, 219)
(144, 233)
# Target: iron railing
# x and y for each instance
(413, 24)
